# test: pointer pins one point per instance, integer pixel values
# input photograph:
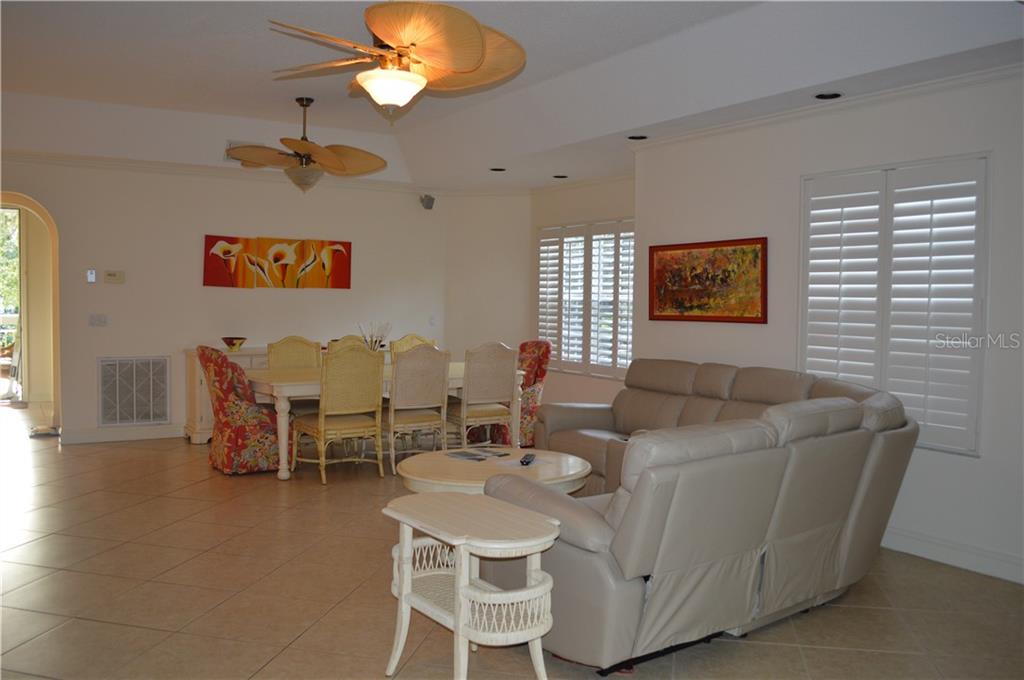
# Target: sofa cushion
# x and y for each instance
(662, 375)
(714, 380)
(823, 388)
(738, 410)
(770, 385)
(678, 445)
(639, 409)
(699, 410)
(590, 445)
(814, 418)
(882, 411)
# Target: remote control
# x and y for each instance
(527, 459)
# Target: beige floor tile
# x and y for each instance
(847, 664)
(778, 632)
(350, 552)
(135, 560)
(868, 592)
(50, 518)
(362, 631)
(68, 592)
(81, 649)
(121, 525)
(317, 582)
(26, 498)
(302, 663)
(14, 575)
(266, 543)
(979, 668)
(19, 625)
(915, 591)
(57, 550)
(101, 502)
(237, 513)
(259, 618)
(215, 570)
(967, 591)
(11, 537)
(854, 628)
(417, 671)
(191, 535)
(172, 509)
(197, 658)
(220, 489)
(969, 634)
(747, 661)
(166, 606)
(7, 674)
(437, 648)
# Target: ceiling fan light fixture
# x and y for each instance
(391, 87)
(304, 177)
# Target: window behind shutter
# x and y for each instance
(574, 255)
(602, 298)
(548, 286)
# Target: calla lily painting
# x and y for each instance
(237, 262)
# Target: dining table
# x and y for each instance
(285, 384)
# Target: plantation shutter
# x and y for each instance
(585, 296)
(936, 294)
(893, 290)
(842, 330)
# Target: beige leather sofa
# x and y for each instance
(724, 526)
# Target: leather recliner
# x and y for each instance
(726, 526)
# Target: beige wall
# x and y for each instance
(575, 204)
(746, 182)
(149, 222)
(37, 279)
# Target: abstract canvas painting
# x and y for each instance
(238, 262)
(710, 281)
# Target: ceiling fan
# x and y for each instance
(306, 163)
(416, 45)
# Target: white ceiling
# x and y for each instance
(596, 72)
(218, 57)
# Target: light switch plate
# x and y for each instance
(110, 276)
(98, 320)
(90, 276)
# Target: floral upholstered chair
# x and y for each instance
(534, 356)
(244, 433)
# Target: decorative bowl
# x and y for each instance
(233, 343)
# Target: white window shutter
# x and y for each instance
(936, 294)
(624, 340)
(603, 291)
(574, 262)
(549, 278)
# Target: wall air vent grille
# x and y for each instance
(134, 390)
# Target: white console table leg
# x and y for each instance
(461, 642)
(282, 405)
(404, 588)
(536, 651)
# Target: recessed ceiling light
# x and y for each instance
(560, 176)
(637, 138)
(497, 169)
(828, 95)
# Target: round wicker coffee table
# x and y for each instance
(441, 471)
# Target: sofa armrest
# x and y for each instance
(559, 417)
(581, 525)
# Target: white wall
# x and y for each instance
(38, 312)
(150, 223)
(746, 182)
(576, 204)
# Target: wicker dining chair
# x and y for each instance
(407, 342)
(351, 382)
(348, 340)
(295, 351)
(418, 399)
(488, 388)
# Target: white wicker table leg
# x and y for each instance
(536, 651)
(474, 573)
(404, 573)
(461, 642)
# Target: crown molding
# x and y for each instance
(1006, 72)
(231, 173)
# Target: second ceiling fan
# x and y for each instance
(416, 46)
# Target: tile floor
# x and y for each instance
(136, 560)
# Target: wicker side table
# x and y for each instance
(439, 574)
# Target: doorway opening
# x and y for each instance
(29, 311)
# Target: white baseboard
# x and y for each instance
(93, 435)
(993, 563)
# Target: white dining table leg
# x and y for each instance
(517, 407)
(283, 405)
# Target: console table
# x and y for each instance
(439, 574)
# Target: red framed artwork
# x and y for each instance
(262, 262)
(710, 281)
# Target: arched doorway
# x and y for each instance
(13, 199)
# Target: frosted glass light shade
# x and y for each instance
(304, 177)
(391, 87)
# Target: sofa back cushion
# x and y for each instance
(643, 409)
(814, 418)
(714, 380)
(770, 385)
(662, 375)
(882, 411)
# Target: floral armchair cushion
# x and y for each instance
(244, 433)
